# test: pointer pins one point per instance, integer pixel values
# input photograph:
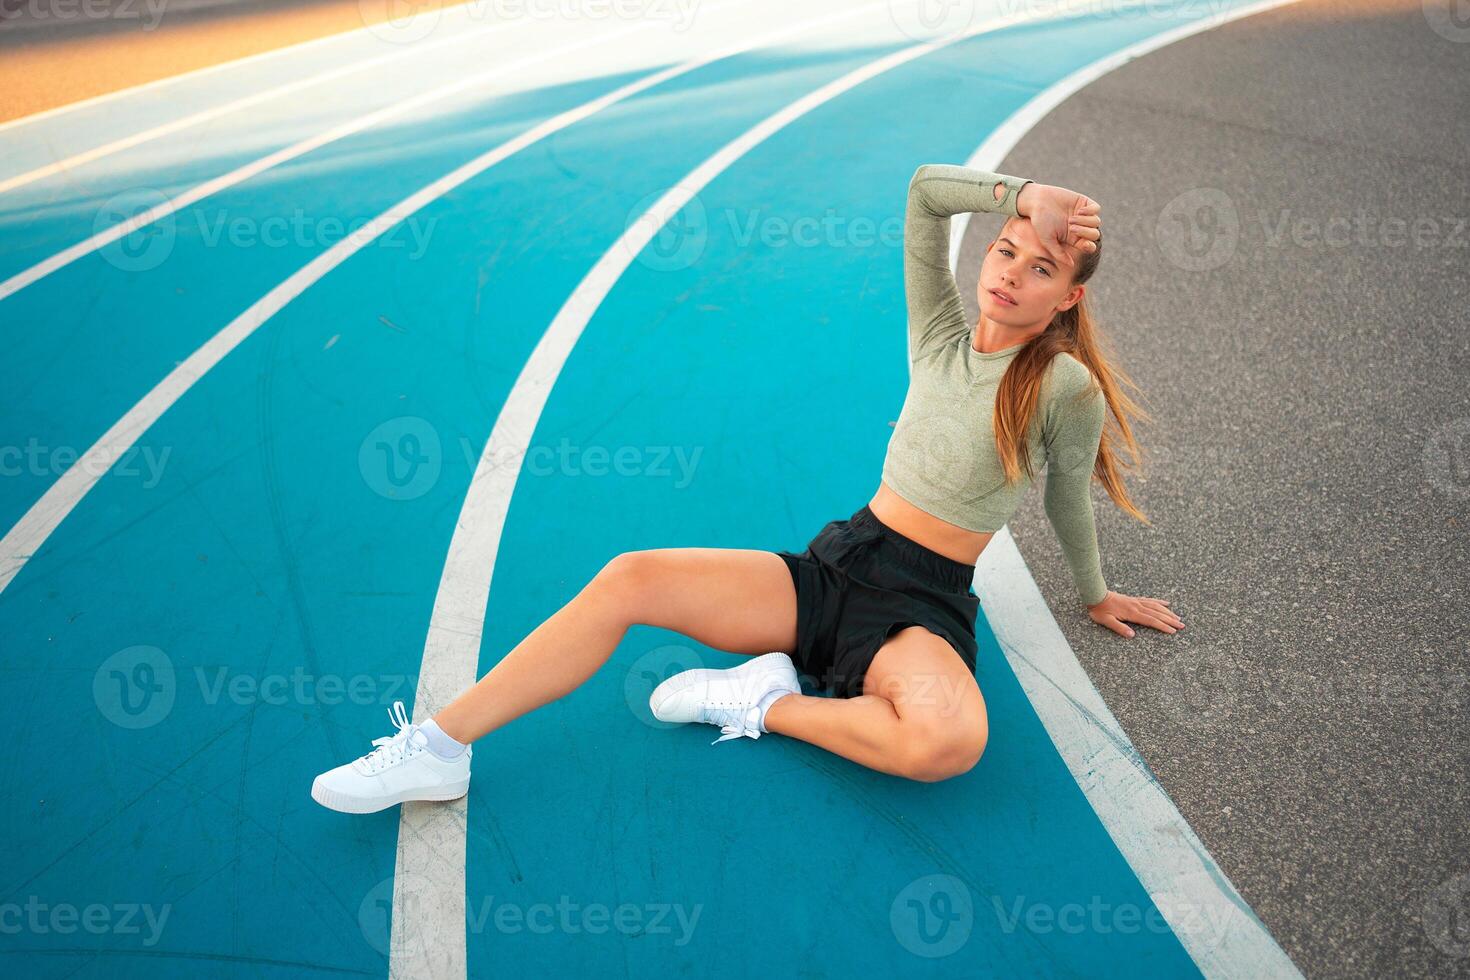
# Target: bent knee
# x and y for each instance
(628, 576)
(933, 755)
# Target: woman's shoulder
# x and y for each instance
(1067, 376)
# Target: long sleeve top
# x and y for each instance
(941, 456)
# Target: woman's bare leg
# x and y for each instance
(920, 724)
(732, 599)
(925, 718)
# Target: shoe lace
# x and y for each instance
(732, 717)
(391, 749)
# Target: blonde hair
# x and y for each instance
(1072, 331)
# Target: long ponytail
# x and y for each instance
(1072, 331)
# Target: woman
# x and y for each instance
(878, 608)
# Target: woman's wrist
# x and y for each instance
(1026, 198)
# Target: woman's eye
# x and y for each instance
(1043, 270)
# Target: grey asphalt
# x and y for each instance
(1286, 276)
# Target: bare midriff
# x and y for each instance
(950, 540)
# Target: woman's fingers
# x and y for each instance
(1059, 253)
(1161, 608)
(1156, 622)
(1090, 220)
(1160, 619)
(1167, 614)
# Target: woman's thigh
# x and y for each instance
(738, 600)
(931, 687)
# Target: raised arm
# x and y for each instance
(1073, 433)
(937, 191)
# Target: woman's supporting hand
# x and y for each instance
(1061, 218)
(1115, 608)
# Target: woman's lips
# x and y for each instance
(1003, 297)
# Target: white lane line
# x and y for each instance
(429, 927)
(206, 115)
(197, 193)
(406, 27)
(1214, 924)
(29, 533)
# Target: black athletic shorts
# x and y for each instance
(856, 583)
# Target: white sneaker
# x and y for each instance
(728, 698)
(399, 769)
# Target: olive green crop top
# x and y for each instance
(941, 456)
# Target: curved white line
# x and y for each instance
(198, 73)
(1213, 923)
(431, 837)
(22, 541)
(237, 105)
(197, 193)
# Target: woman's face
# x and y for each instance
(1020, 284)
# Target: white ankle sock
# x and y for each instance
(439, 741)
(767, 701)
